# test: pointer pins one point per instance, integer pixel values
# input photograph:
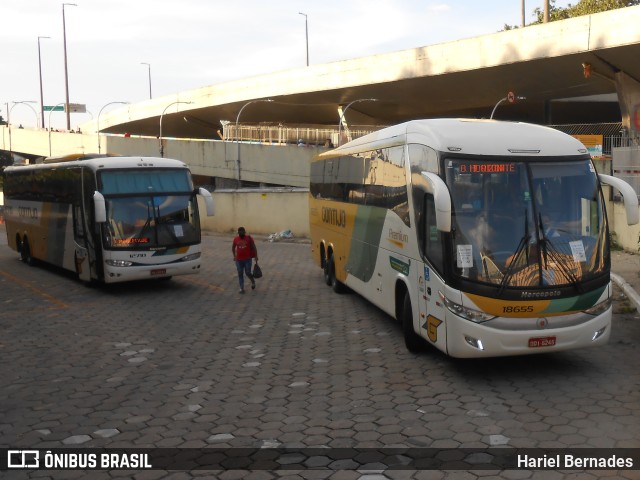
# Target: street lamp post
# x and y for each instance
(238, 133)
(149, 67)
(98, 121)
(27, 102)
(512, 98)
(306, 32)
(66, 71)
(24, 102)
(51, 111)
(345, 111)
(163, 112)
(40, 72)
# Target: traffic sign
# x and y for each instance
(77, 108)
(51, 108)
(511, 97)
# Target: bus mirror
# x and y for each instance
(208, 201)
(629, 197)
(442, 200)
(100, 210)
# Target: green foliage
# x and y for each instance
(583, 7)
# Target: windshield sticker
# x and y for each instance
(577, 249)
(465, 256)
(178, 230)
(399, 265)
(433, 233)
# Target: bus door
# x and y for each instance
(80, 232)
(430, 283)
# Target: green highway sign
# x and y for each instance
(51, 108)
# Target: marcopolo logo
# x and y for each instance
(23, 458)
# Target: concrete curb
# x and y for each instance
(627, 289)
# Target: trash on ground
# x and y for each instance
(285, 234)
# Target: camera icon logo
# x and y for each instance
(23, 459)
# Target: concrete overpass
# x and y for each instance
(464, 78)
(543, 63)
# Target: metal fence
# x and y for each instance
(284, 135)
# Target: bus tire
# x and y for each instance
(325, 269)
(336, 285)
(25, 252)
(412, 340)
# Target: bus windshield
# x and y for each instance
(151, 221)
(531, 224)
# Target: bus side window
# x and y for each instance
(433, 247)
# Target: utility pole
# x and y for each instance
(306, 32)
(546, 11)
(66, 70)
(523, 9)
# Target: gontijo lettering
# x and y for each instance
(333, 216)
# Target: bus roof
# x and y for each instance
(471, 136)
(105, 162)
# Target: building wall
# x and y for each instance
(272, 164)
(263, 211)
(626, 236)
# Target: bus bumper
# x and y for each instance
(147, 272)
(466, 339)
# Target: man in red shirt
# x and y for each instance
(244, 250)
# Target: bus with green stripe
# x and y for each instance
(107, 219)
(483, 238)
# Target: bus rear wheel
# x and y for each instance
(325, 269)
(336, 284)
(25, 252)
(412, 340)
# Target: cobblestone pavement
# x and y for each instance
(191, 363)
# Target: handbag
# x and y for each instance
(257, 271)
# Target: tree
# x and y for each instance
(583, 7)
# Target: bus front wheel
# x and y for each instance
(412, 340)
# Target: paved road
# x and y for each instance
(190, 363)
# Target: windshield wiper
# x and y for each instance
(147, 223)
(521, 248)
(550, 250)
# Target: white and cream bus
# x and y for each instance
(109, 219)
(483, 238)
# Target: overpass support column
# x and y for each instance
(629, 99)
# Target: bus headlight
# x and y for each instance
(475, 316)
(188, 258)
(118, 263)
(600, 308)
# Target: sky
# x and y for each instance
(196, 43)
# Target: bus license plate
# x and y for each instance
(542, 342)
(159, 271)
